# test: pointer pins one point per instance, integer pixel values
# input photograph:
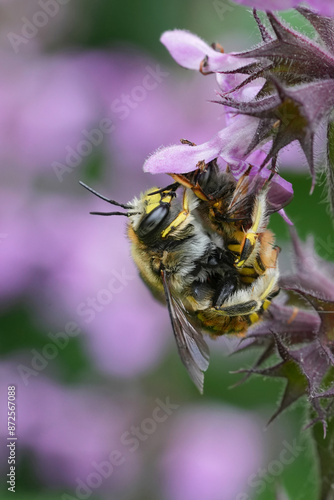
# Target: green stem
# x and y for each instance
(325, 451)
(330, 169)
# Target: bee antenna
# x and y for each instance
(112, 202)
(114, 213)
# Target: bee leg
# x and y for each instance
(183, 215)
(196, 188)
(259, 221)
(248, 244)
(225, 288)
(182, 179)
(240, 309)
(253, 301)
(251, 310)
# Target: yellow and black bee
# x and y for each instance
(189, 264)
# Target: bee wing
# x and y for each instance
(241, 204)
(193, 349)
(244, 197)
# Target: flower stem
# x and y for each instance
(330, 169)
(325, 451)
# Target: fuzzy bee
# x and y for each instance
(188, 263)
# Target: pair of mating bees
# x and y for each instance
(202, 246)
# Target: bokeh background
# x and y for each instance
(105, 409)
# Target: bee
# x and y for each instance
(186, 262)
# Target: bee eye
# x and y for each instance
(152, 220)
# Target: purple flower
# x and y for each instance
(297, 100)
(230, 143)
(286, 83)
(228, 146)
(190, 51)
(323, 7)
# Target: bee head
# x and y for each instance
(150, 211)
(146, 213)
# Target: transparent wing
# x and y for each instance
(193, 349)
(244, 198)
(240, 206)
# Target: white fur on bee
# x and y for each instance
(138, 210)
(192, 250)
(259, 215)
(260, 221)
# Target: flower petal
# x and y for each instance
(323, 7)
(231, 143)
(285, 217)
(238, 166)
(230, 81)
(189, 51)
(280, 191)
(180, 159)
(280, 194)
